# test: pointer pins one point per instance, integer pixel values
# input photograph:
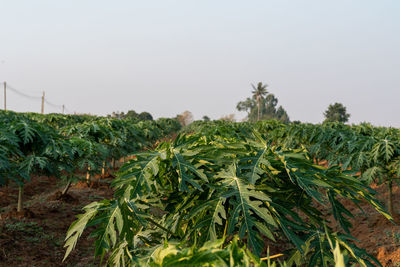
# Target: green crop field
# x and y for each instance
(216, 194)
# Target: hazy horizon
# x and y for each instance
(166, 57)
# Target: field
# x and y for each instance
(38, 241)
(217, 193)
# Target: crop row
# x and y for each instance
(63, 145)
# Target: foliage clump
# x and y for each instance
(219, 183)
(262, 105)
(131, 114)
(336, 113)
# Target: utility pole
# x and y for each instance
(63, 107)
(5, 96)
(43, 103)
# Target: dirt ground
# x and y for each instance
(36, 237)
(375, 233)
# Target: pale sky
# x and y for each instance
(166, 56)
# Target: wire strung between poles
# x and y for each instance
(18, 92)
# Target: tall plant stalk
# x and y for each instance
(66, 188)
(20, 198)
(390, 197)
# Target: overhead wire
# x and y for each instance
(21, 93)
(13, 89)
(51, 104)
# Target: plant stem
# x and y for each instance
(20, 200)
(103, 170)
(162, 227)
(390, 197)
(88, 175)
(64, 192)
(271, 257)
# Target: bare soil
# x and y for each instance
(35, 236)
(375, 233)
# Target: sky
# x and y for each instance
(168, 56)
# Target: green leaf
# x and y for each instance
(247, 203)
(77, 227)
(184, 169)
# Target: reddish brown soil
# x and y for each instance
(375, 233)
(35, 237)
(9, 195)
(379, 236)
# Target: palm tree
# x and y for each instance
(258, 93)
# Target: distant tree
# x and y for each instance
(206, 118)
(258, 93)
(246, 105)
(132, 114)
(185, 118)
(336, 112)
(282, 115)
(262, 106)
(117, 115)
(230, 117)
(270, 106)
(145, 116)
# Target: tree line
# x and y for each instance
(262, 105)
(131, 114)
